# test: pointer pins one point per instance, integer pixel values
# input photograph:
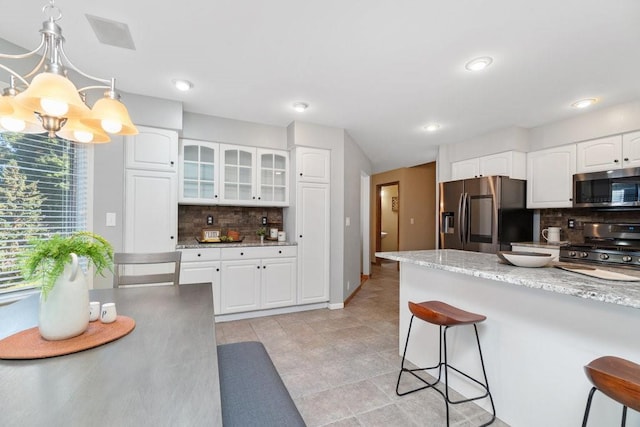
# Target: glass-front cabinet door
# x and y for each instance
(238, 174)
(273, 168)
(199, 172)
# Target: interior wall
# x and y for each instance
(589, 125)
(219, 129)
(356, 164)
(417, 200)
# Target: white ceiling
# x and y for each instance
(379, 69)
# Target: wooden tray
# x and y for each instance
(28, 344)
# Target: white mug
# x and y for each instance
(94, 310)
(108, 313)
(552, 234)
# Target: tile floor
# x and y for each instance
(341, 366)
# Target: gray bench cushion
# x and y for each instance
(252, 393)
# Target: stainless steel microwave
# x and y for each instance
(614, 189)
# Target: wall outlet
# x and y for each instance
(571, 223)
(348, 285)
(209, 219)
(264, 220)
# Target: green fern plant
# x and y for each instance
(47, 257)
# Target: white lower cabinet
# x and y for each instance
(240, 286)
(278, 282)
(255, 278)
(244, 278)
(202, 266)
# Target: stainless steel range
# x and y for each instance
(609, 244)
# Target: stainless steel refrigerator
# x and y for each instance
(484, 214)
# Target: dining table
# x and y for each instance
(163, 373)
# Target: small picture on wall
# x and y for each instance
(394, 204)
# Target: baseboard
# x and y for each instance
(336, 306)
(261, 313)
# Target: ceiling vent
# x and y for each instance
(111, 32)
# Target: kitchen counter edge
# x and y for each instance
(194, 244)
(547, 278)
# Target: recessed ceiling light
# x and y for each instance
(584, 103)
(183, 85)
(479, 64)
(300, 106)
(432, 127)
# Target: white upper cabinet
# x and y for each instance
(465, 169)
(199, 172)
(152, 149)
(253, 176)
(273, 177)
(631, 150)
(612, 152)
(508, 163)
(238, 171)
(313, 165)
(550, 177)
(599, 154)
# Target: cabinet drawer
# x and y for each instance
(254, 252)
(208, 254)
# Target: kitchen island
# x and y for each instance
(543, 325)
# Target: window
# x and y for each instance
(43, 191)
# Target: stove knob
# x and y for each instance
(583, 255)
(604, 256)
(572, 254)
(626, 258)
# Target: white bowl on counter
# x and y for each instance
(525, 259)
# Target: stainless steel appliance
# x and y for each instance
(608, 244)
(484, 214)
(616, 189)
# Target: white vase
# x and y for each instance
(65, 312)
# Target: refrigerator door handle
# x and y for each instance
(460, 220)
(465, 219)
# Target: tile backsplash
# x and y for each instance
(192, 219)
(560, 218)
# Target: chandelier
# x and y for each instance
(45, 99)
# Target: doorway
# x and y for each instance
(387, 218)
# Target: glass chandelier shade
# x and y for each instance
(20, 119)
(112, 116)
(50, 102)
(5, 107)
(75, 130)
(53, 95)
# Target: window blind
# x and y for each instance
(43, 191)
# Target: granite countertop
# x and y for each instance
(548, 278)
(192, 243)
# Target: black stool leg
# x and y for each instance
(588, 408)
(445, 364)
(404, 354)
(484, 373)
(412, 371)
(624, 416)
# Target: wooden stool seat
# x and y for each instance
(443, 314)
(617, 378)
